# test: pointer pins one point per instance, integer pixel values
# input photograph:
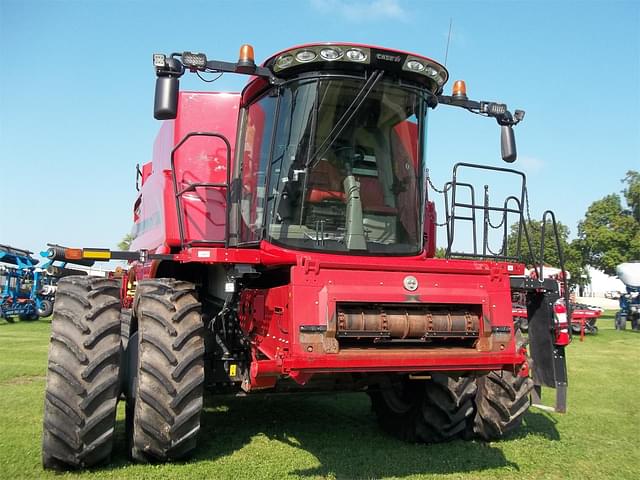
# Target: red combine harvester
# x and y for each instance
(285, 241)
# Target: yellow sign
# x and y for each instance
(232, 370)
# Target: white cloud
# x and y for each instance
(360, 11)
(530, 164)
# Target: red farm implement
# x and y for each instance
(285, 241)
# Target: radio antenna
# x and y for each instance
(446, 53)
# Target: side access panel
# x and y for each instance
(198, 160)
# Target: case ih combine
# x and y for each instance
(284, 241)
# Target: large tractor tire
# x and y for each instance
(82, 379)
(448, 407)
(501, 401)
(170, 373)
(436, 410)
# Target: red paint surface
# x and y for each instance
(200, 159)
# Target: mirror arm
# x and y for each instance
(174, 68)
(499, 111)
(489, 109)
(230, 67)
(170, 69)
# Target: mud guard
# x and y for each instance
(547, 360)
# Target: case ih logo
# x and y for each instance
(389, 58)
(410, 283)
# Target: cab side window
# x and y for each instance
(255, 159)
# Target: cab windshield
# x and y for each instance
(345, 172)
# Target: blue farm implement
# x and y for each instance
(629, 273)
(27, 291)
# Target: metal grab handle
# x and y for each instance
(560, 258)
(178, 194)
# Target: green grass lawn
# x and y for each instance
(336, 436)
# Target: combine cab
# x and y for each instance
(285, 241)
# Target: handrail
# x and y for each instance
(191, 186)
(486, 208)
(560, 256)
(451, 217)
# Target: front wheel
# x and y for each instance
(82, 378)
(170, 371)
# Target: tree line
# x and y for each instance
(609, 234)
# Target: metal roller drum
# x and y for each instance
(407, 321)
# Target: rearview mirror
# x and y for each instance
(508, 144)
(165, 105)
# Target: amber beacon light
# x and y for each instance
(460, 89)
(246, 58)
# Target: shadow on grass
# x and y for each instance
(538, 423)
(341, 433)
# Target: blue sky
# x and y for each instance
(76, 93)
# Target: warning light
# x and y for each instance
(246, 60)
(73, 253)
(460, 90)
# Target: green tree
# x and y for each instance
(441, 252)
(125, 243)
(610, 232)
(534, 228)
(573, 261)
(632, 193)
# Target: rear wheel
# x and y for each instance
(502, 399)
(501, 402)
(448, 407)
(82, 379)
(431, 411)
(170, 374)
